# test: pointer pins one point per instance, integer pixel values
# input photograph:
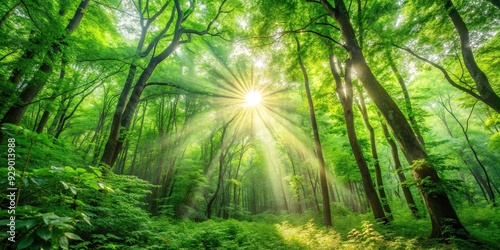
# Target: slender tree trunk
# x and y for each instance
(134, 157)
(376, 164)
(445, 221)
(408, 105)
(46, 113)
(327, 217)
(412, 206)
(345, 95)
(448, 108)
(117, 136)
(117, 116)
(313, 188)
(480, 181)
(222, 157)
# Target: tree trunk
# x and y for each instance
(408, 105)
(134, 157)
(345, 95)
(222, 156)
(445, 222)
(327, 217)
(313, 188)
(117, 116)
(412, 206)
(110, 153)
(448, 107)
(376, 164)
(483, 85)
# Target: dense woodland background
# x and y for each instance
(377, 126)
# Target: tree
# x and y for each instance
(442, 214)
(378, 172)
(345, 95)
(180, 35)
(327, 219)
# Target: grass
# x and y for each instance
(350, 231)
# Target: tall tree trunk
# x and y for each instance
(412, 206)
(222, 156)
(408, 105)
(313, 188)
(445, 221)
(117, 116)
(480, 181)
(110, 152)
(327, 217)
(483, 85)
(345, 95)
(134, 157)
(46, 113)
(376, 164)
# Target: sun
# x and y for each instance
(253, 98)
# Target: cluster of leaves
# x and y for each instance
(367, 237)
(58, 205)
(43, 219)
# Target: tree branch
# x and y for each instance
(159, 36)
(204, 32)
(445, 73)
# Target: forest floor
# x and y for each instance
(350, 231)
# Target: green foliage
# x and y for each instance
(367, 237)
(484, 223)
(38, 218)
(494, 143)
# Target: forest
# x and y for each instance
(250, 124)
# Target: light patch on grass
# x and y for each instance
(309, 236)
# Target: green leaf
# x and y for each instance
(37, 181)
(70, 171)
(73, 190)
(63, 242)
(64, 185)
(25, 242)
(81, 170)
(25, 223)
(86, 218)
(44, 233)
(97, 172)
(92, 185)
(72, 236)
(87, 176)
